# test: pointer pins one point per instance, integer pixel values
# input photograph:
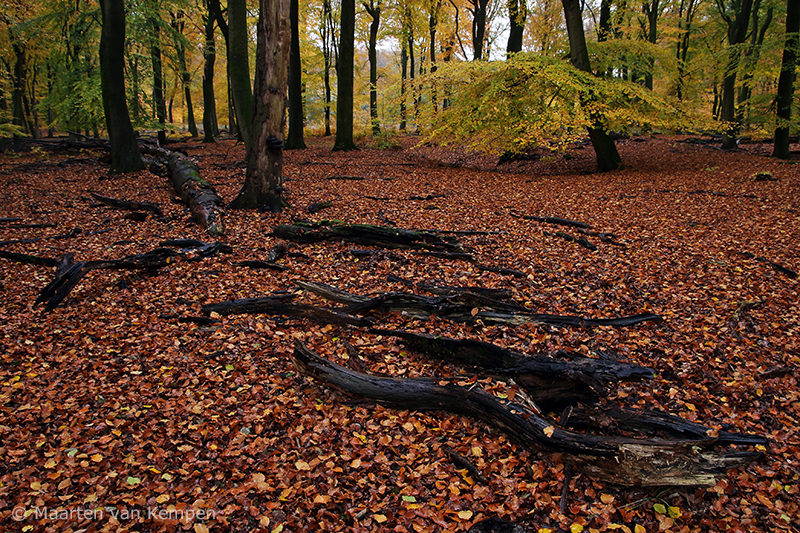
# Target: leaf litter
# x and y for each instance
(114, 418)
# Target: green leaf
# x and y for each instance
(71, 452)
(409, 499)
(659, 508)
(133, 480)
(228, 367)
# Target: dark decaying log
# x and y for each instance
(368, 235)
(549, 381)
(70, 272)
(280, 304)
(128, 205)
(204, 203)
(446, 290)
(465, 307)
(559, 221)
(276, 252)
(28, 258)
(583, 241)
(777, 266)
(621, 460)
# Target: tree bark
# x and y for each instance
(158, 76)
(374, 11)
(263, 181)
(737, 19)
(239, 67)
(203, 201)
(125, 156)
(179, 24)
(294, 140)
(209, 102)
(478, 27)
(518, 15)
(608, 157)
(344, 73)
(786, 80)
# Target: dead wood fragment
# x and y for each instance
(368, 235)
(606, 237)
(780, 268)
(33, 225)
(443, 290)
(428, 197)
(329, 292)
(550, 381)
(462, 462)
(559, 221)
(350, 178)
(501, 270)
(583, 241)
(204, 203)
(316, 207)
(280, 304)
(128, 205)
(625, 461)
(27, 258)
(262, 265)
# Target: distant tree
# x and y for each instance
(373, 8)
(210, 128)
(125, 156)
(517, 16)
(178, 25)
(239, 66)
(294, 139)
(786, 80)
(736, 14)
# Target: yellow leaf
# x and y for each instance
(96, 458)
(465, 515)
(36, 485)
(322, 498)
(200, 528)
(576, 528)
(606, 498)
(278, 528)
(549, 430)
(264, 521)
(639, 529)
(379, 518)
(545, 530)
(50, 463)
(162, 498)
(90, 498)
(477, 451)
(285, 494)
(302, 465)
(674, 512)
(356, 463)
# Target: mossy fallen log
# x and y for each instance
(204, 203)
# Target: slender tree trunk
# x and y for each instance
(344, 74)
(686, 14)
(179, 24)
(478, 27)
(651, 14)
(262, 187)
(433, 23)
(209, 102)
(125, 156)
(751, 56)
(158, 80)
(296, 117)
(19, 80)
(786, 80)
(738, 22)
(517, 15)
(374, 11)
(608, 157)
(329, 52)
(239, 66)
(403, 81)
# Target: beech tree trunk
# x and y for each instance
(517, 14)
(209, 102)
(738, 19)
(374, 11)
(608, 157)
(294, 140)
(786, 80)
(158, 79)
(239, 67)
(344, 72)
(125, 156)
(478, 27)
(262, 187)
(179, 23)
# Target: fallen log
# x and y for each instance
(501, 270)
(621, 460)
(583, 241)
(368, 235)
(204, 203)
(128, 205)
(27, 258)
(445, 290)
(280, 304)
(550, 381)
(316, 207)
(559, 221)
(780, 268)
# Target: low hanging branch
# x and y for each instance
(621, 460)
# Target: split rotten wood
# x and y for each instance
(204, 203)
(620, 460)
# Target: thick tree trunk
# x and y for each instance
(209, 102)
(517, 14)
(125, 156)
(786, 80)
(478, 27)
(738, 21)
(158, 80)
(239, 67)
(608, 157)
(262, 187)
(294, 140)
(344, 72)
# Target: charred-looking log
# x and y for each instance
(550, 382)
(128, 205)
(203, 201)
(446, 290)
(621, 460)
(280, 304)
(368, 235)
(559, 221)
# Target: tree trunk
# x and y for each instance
(403, 80)
(608, 157)
(328, 51)
(239, 67)
(517, 14)
(374, 11)
(209, 102)
(158, 80)
(344, 73)
(296, 118)
(125, 156)
(478, 27)
(199, 195)
(686, 14)
(19, 80)
(651, 13)
(262, 187)
(179, 24)
(783, 100)
(751, 56)
(738, 21)
(433, 23)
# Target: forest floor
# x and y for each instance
(116, 416)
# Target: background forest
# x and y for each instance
(418, 55)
